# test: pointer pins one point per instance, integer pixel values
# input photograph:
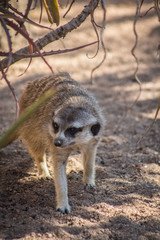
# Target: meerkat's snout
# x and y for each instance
(58, 142)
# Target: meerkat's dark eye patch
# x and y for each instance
(95, 129)
(72, 131)
(55, 127)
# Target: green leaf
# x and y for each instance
(9, 134)
(52, 9)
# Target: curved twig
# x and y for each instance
(27, 66)
(158, 52)
(69, 9)
(147, 12)
(13, 93)
(133, 52)
(156, 4)
(102, 41)
(137, 65)
(96, 32)
(153, 122)
(9, 42)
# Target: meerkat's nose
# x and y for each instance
(58, 142)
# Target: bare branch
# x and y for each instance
(13, 93)
(156, 4)
(153, 122)
(26, 35)
(102, 41)
(147, 11)
(60, 32)
(158, 52)
(140, 5)
(69, 8)
(137, 63)
(41, 6)
(133, 52)
(95, 29)
(26, 67)
(48, 53)
(9, 42)
(26, 19)
(28, 8)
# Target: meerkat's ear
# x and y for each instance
(95, 129)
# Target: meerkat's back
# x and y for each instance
(66, 90)
(67, 93)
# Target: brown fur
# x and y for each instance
(70, 104)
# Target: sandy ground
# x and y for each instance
(126, 202)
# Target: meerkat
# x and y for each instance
(71, 119)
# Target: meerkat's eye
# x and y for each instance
(72, 131)
(55, 127)
(95, 129)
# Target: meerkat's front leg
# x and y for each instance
(60, 179)
(89, 156)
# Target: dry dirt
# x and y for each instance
(126, 202)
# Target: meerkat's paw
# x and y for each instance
(64, 209)
(43, 173)
(89, 186)
(45, 176)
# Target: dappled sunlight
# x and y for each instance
(125, 203)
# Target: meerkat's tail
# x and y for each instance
(8, 141)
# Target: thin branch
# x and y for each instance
(96, 32)
(153, 122)
(140, 5)
(35, 4)
(48, 53)
(60, 32)
(133, 51)
(4, 53)
(137, 65)
(68, 9)
(102, 41)
(158, 52)
(26, 19)
(22, 19)
(26, 35)
(156, 4)
(136, 59)
(41, 6)
(9, 42)
(27, 67)
(13, 93)
(151, 8)
(28, 8)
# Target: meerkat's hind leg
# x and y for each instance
(43, 172)
(38, 152)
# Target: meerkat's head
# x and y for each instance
(73, 126)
